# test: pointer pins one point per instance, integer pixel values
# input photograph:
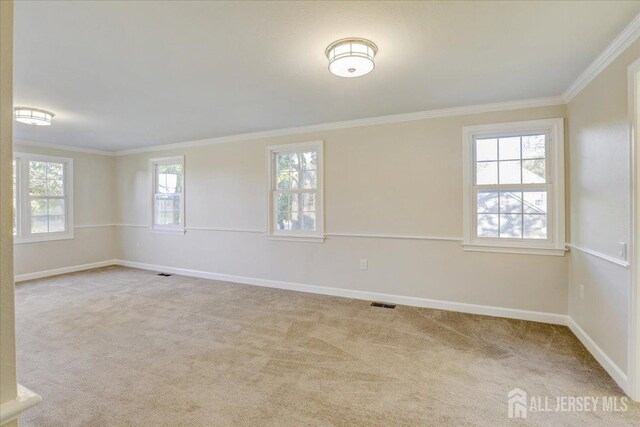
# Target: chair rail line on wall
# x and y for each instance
(605, 257)
(594, 253)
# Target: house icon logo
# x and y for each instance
(517, 403)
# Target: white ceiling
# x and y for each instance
(121, 75)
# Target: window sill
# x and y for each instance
(182, 231)
(41, 239)
(514, 250)
(293, 238)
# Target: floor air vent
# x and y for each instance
(383, 305)
(164, 274)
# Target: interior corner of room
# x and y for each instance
(482, 195)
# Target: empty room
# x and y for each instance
(319, 213)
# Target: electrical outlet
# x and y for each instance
(581, 291)
(137, 244)
(622, 250)
(364, 264)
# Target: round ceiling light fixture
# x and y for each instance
(33, 116)
(352, 57)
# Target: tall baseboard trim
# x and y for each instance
(605, 361)
(612, 369)
(535, 316)
(64, 270)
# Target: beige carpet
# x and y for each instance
(124, 347)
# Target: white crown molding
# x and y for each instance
(394, 118)
(26, 143)
(617, 46)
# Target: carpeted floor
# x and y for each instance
(125, 347)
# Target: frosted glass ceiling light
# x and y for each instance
(352, 57)
(33, 116)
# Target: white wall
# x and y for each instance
(392, 179)
(600, 207)
(94, 200)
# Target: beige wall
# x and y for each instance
(400, 179)
(8, 389)
(418, 192)
(94, 202)
(600, 206)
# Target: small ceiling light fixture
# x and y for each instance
(351, 57)
(33, 116)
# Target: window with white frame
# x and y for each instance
(16, 212)
(295, 191)
(167, 189)
(514, 187)
(43, 202)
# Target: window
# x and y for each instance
(295, 191)
(16, 212)
(167, 189)
(42, 203)
(514, 187)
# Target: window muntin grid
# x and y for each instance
(511, 187)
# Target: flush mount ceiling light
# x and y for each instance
(33, 116)
(352, 57)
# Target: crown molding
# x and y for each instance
(395, 118)
(26, 143)
(629, 35)
(619, 45)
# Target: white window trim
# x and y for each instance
(180, 229)
(18, 197)
(292, 235)
(23, 223)
(555, 245)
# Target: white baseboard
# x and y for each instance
(618, 375)
(64, 270)
(535, 316)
